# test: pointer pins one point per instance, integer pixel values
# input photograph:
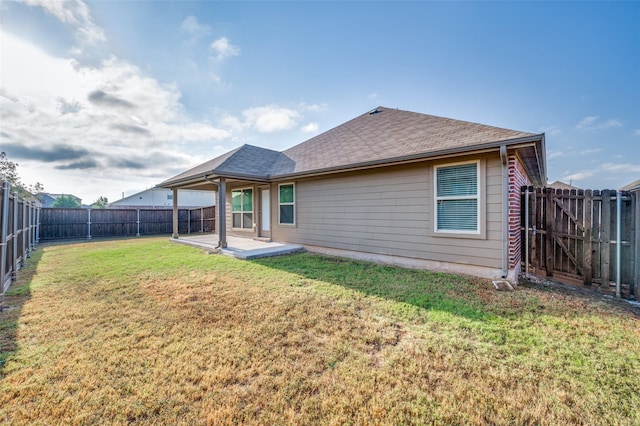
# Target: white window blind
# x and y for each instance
(457, 198)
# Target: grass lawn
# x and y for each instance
(146, 331)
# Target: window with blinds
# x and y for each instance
(457, 197)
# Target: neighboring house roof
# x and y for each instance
(561, 185)
(152, 197)
(633, 186)
(56, 196)
(379, 137)
(49, 199)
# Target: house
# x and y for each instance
(632, 187)
(561, 185)
(48, 200)
(161, 198)
(390, 186)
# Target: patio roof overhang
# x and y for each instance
(206, 180)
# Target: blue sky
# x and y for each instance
(111, 97)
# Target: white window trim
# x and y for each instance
(243, 211)
(477, 197)
(287, 204)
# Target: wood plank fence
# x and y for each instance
(62, 223)
(583, 237)
(18, 235)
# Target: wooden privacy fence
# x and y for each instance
(583, 237)
(58, 223)
(18, 235)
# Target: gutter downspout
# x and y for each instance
(505, 210)
(526, 233)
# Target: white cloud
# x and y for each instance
(603, 172)
(587, 122)
(271, 118)
(591, 123)
(590, 151)
(231, 122)
(611, 123)
(224, 49)
(621, 168)
(554, 154)
(310, 128)
(373, 96)
(637, 132)
(551, 130)
(314, 107)
(93, 129)
(578, 176)
(190, 131)
(74, 13)
(194, 28)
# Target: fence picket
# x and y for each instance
(77, 223)
(18, 235)
(549, 225)
(577, 230)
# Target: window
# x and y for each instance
(169, 197)
(286, 203)
(242, 208)
(457, 193)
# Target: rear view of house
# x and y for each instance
(389, 185)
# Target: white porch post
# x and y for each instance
(222, 213)
(175, 212)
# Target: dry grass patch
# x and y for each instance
(144, 331)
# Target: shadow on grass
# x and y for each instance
(432, 291)
(14, 299)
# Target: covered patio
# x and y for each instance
(241, 248)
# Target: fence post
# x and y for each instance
(4, 233)
(30, 229)
(14, 238)
(605, 232)
(38, 225)
(587, 211)
(636, 271)
(138, 222)
(25, 240)
(88, 224)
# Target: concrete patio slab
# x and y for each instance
(241, 248)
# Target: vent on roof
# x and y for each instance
(375, 111)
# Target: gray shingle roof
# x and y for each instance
(380, 136)
(391, 134)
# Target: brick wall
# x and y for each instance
(517, 178)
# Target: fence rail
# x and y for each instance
(583, 237)
(59, 223)
(18, 235)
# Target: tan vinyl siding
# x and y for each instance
(390, 211)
